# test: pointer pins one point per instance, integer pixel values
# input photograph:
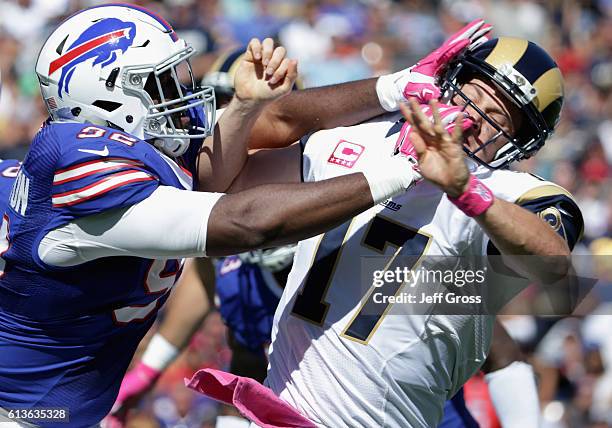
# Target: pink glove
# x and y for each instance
(403, 145)
(420, 80)
(423, 76)
(135, 384)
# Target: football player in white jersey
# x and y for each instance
(343, 354)
(300, 113)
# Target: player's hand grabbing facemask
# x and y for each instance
(448, 116)
(420, 80)
(441, 155)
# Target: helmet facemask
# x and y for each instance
(171, 120)
(526, 140)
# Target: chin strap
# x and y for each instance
(173, 147)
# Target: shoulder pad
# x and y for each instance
(83, 142)
(557, 207)
(99, 168)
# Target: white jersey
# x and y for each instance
(336, 361)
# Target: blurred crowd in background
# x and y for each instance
(341, 40)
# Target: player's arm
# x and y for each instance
(259, 80)
(278, 214)
(287, 119)
(309, 110)
(516, 232)
(179, 223)
(270, 166)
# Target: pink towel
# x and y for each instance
(255, 401)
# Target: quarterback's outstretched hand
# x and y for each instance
(265, 73)
(421, 80)
(437, 137)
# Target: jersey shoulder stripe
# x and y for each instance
(100, 187)
(549, 201)
(86, 169)
(545, 188)
(81, 169)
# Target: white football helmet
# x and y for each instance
(120, 66)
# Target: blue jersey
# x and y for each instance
(248, 297)
(67, 335)
(456, 414)
(8, 171)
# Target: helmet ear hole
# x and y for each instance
(109, 106)
(524, 133)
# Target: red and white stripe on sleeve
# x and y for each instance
(88, 180)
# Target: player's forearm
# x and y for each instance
(274, 215)
(504, 350)
(549, 378)
(518, 234)
(187, 306)
(350, 103)
(300, 112)
(224, 154)
(278, 214)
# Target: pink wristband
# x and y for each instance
(136, 381)
(475, 200)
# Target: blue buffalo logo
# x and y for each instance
(101, 41)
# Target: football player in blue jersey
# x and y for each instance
(85, 271)
(248, 288)
(102, 210)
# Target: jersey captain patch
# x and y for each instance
(346, 154)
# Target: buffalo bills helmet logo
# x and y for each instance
(100, 41)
